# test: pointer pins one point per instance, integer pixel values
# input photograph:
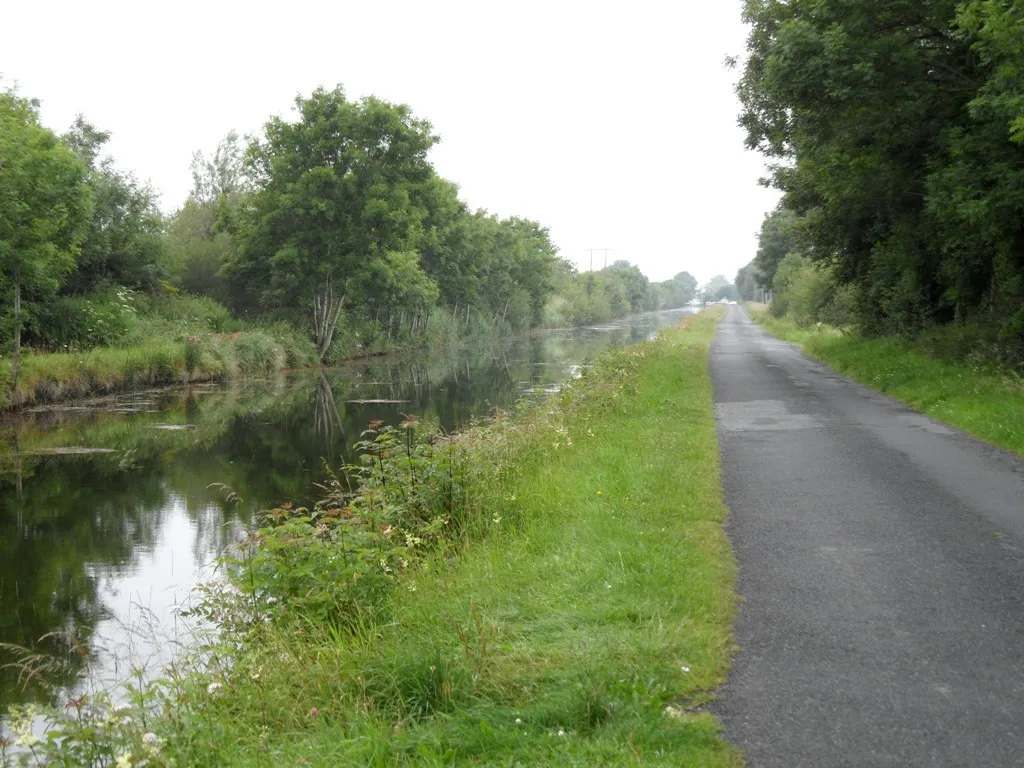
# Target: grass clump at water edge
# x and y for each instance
(553, 587)
(53, 377)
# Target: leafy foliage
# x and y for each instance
(896, 132)
(44, 207)
(333, 564)
(124, 244)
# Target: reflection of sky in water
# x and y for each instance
(105, 542)
(140, 626)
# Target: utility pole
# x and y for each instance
(605, 250)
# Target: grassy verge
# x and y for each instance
(978, 398)
(574, 608)
(48, 378)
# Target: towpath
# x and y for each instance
(881, 560)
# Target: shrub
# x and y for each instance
(845, 307)
(72, 323)
(335, 562)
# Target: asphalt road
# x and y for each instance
(881, 560)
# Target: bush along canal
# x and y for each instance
(547, 586)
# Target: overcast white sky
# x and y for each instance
(613, 124)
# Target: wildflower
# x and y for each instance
(561, 732)
(27, 740)
(212, 688)
(124, 760)
(150, 739)
(685, 668)
(312, 712)
(497, 519)
(519, 721)
(600, 493)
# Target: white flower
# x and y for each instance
(212, 688)
(519, 721)
(685, 668)
(27, 740)
(561, 732)
(124, 761)
(150, 738)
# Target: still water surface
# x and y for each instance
(111, 511)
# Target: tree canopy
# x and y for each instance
(45, 205)
(896, 130)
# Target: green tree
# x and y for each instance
(199, 234)
(45, 206)
(677, 292)
(777, 239)
(718, 288)
(516, 264)
(895, 131)
(124, 244)
(634, 284)
(748, 282)
(222, 175)
(445, 251)
(335, 217)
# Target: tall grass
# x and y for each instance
(965, 390)
(49, 378)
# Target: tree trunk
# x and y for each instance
(16, 360)
(326, 314)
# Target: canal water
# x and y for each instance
(110, 511)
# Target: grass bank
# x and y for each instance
(550, 588)
(973, 395)
(52, 377)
